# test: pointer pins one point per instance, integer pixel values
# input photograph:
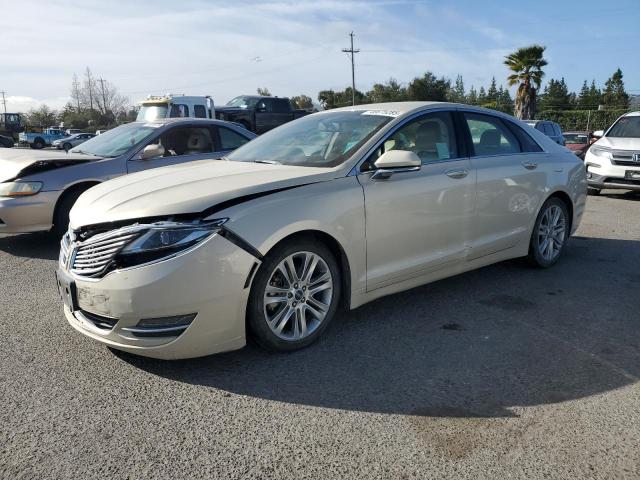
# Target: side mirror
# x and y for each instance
(395, 161)
(152, 151)
(598, 133)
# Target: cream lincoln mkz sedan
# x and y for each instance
(339, 207)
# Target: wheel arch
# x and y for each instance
(334, 246)
(72, 189)
(566, 199)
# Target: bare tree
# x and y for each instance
(76, 92)
(109, 100)
(89, 89)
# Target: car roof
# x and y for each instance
(170, 121)
(632, 114)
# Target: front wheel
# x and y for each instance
(66, 146)
(550, 234)
(593, 191)
(294, 296)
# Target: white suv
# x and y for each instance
(614, 160)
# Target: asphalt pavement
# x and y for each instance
(505, 372)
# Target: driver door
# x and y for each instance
(181, 144)
(419, 221)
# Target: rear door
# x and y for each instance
(418, 221)
(509, 183)
(184, 143)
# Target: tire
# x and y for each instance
(593, 191)
(38, 143)
(293, 319)
(550, 234)
(63, 207)
(67, 146)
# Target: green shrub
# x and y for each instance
(581, 119)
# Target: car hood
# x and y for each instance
(183, 189)
(18, 162)
(618, 143)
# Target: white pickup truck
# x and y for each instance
(175, 106)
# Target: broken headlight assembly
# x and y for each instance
(164, 239)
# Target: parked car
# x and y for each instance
(42, 139)
(336, 208)
(175, 106)
(578, 142)
(614, 160)
(100, 132)
(550, 129)
(10, 124)
(38, 190)
(71, 141)
(259, 114)
(73, 131)
(6, 142)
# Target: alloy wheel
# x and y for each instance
(551, 232)
(298, 295)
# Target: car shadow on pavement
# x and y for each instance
(476, 345)
(44, 245)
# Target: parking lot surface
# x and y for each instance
(505, 372)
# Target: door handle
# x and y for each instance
(457, 173)
(530, 165)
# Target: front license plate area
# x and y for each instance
(632, 174)
(67, 290)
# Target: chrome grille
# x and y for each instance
(65, 249)
(91, 257)
(624, 157)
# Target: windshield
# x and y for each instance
(243, 102)
(117, 141)
(320, 140)
(626, 127)
(149, 113)
(575, 138)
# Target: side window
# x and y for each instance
(557, 129)
(186, 140)
(527, 143)
(490, 136)
(431, 137)
(179, 111)
(547, 129)
(280, 105)
(268, 104)
(199, 111)
(230, 140)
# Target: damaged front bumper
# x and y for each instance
(192, 304)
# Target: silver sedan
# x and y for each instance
(71, 141)
(337, 208)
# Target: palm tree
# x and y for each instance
(526, 63)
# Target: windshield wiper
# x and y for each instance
(270, 162)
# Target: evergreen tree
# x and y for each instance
(492, 93)
(472, 97)
(615, 95)
(482, 96)
(457, 93)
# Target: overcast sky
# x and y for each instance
(227, 48)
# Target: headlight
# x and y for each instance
(19, 189)
(600, 151)
(164, 239)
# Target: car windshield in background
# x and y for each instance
(626, 127)
(149, 113)
(320, 140)
(117, 141)
(243, 102)
(575, 138)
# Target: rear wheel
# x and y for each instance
(294, 296)
(38, 143)
(66, 146)
(550, 234)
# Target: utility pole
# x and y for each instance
(4, 102)
(353, 69)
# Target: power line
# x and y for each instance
(353, 69)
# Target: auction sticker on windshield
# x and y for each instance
(384, 113)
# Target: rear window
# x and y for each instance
(199, 111)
